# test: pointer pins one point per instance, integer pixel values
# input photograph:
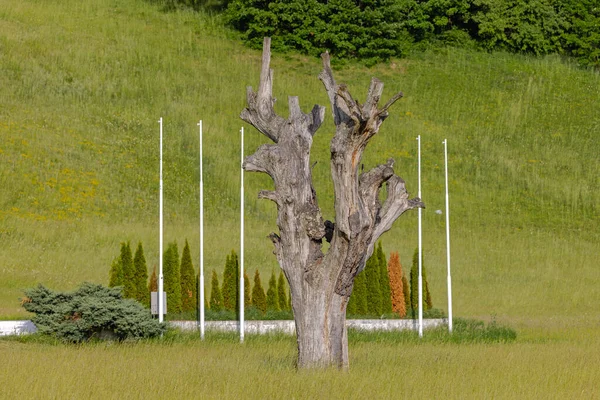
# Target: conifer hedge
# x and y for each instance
(273, 294)
(216, 298)
(259, 299)
(172, 278)
(189, 294)
(231, 286)
(141, 276)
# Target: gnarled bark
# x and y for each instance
(320, 283)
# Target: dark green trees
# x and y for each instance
(115, 275)
(129, 286)
(141, 276)
(384, 282)
(259, 299)
(273, 294)
(281, 292)
(231, 282)
(247, 299)
(414, 285)
(357, 304)
(172, 278)
(373, 286)
(216, 298)
(189, 294)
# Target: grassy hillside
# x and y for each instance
(83, 84)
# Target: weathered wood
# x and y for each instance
(321, 284)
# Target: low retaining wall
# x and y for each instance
(289, 327)
(16, 328)
(257, 327)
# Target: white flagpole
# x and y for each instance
(201, 283)
(242, 239)
(448, 238)
(161, 305)
(420, 245)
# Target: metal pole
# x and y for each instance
(242, 239)
(161, 306)
(420, 245)
(448, 238)
(201, 283)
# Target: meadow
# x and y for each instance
(82, 86)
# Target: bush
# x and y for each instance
(92, 311)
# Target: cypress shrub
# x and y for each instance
(259, 299)
(281, 292)
(129, 283)
(272, 294)
(247, 299)
(92, 311)
(396, 287)
(359, 295)
(384, 281)
(216, 298)
(153, 284)
(428, 303)
(406, 290)
(373, 286)
(414, 284)
(172, 278)
(230, 282)
(115, 275)
(189, 293)
(141, 276)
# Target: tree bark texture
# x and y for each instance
(321, 284)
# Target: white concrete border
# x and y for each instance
(16, 328)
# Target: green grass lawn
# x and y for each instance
(555, 359)
(83, 85)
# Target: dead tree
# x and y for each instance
(321, 284)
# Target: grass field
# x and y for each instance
(561, 365)
(82, 86)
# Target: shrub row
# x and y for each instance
(375, 30)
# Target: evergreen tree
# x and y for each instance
(373, 286)
(247, 300)
(273, 294)
(359, 295)
(259, 299)
(230, 282)
(384, 281)
(282, 292)
(414, 284)
(141, 276)
(129, 281)
(396, 285)
(406, 290)
(153, 285)
(115, 275)
(172, 278)
(427, 296)
(216, 298)
(189, 294)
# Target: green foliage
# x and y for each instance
(141, 276)
(377, 30)
(273, 294)
(372, 275)
(384, 282)
(358, 299)
(116, 273)
(153, 283)
(172, 278)
(259, 299)
(216, 298)
(92, 311)
(231, 286)
(281, 292)
(414, 283)
(247, 298)
(189, 293)
(129, 278)
(407, 295)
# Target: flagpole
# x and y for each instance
(420, 245)
(448, 238)
(201, 283)
(161, 306)
(242, 238)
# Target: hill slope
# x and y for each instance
(83, 85)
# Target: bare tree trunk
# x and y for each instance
(321, 284)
